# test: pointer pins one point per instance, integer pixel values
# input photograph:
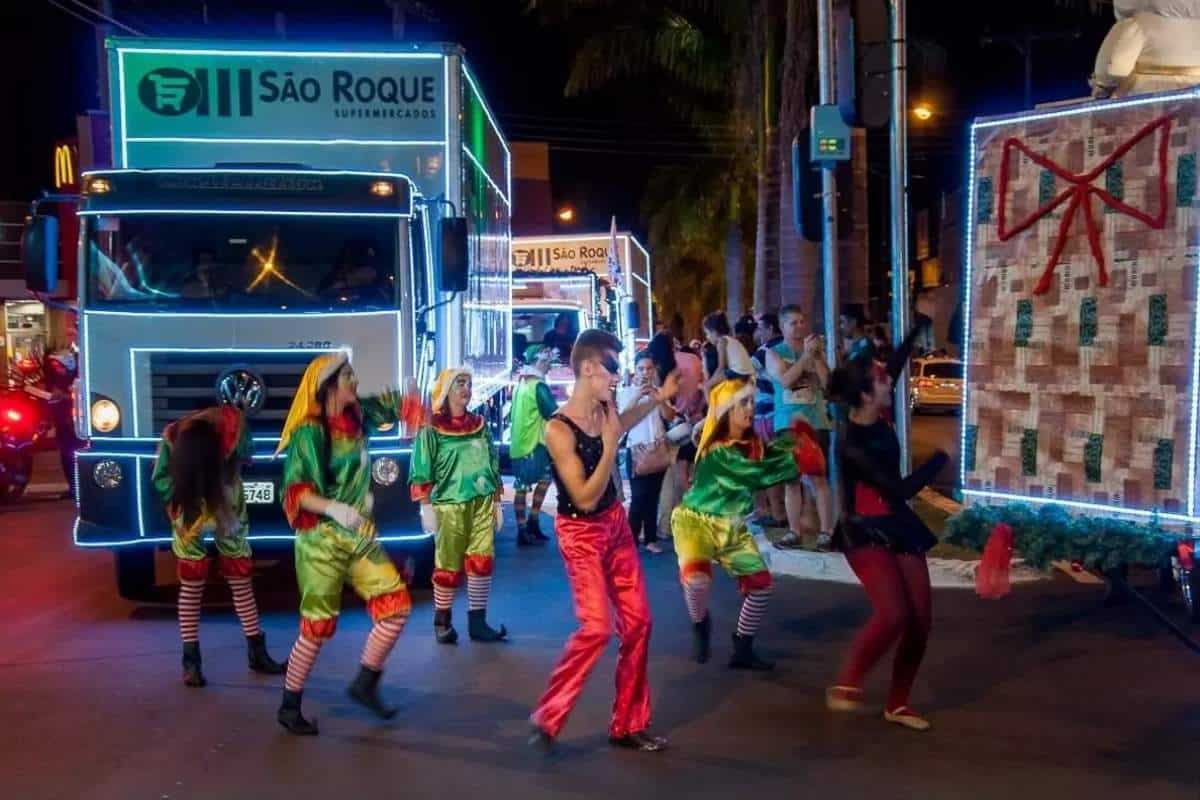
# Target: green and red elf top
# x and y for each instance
(729, 471)
(328, 455)
(187, 540)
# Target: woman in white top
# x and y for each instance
(647, 442)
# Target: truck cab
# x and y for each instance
(209, 274)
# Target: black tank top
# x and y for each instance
(590, 450)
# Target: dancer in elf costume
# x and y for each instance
(455, 476)
(198, 474)
(328, 502)
(732, 463)
(532, 405)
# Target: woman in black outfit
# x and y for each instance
(882, 538)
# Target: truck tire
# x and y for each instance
(135, 572)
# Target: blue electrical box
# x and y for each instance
(829, 140)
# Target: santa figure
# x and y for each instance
(1154, 46)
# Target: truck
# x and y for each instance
(270, 202)
(565, 281)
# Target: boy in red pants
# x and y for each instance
(598, 549)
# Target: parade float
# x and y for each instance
(1079, 436)
(272, 202)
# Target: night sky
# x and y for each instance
(607, 143)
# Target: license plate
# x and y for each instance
(258, 492)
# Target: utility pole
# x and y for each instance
(829, 220)
(899, 196)
(1023, 43)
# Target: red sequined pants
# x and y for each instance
(606, 576)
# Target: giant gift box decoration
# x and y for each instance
(1081, 325)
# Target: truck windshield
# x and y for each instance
(253, 261)
(554, 327)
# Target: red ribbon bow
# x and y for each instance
(1079, 193)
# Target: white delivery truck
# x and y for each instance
(271, 202)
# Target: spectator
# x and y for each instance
(771, 512)
(646, 440)
(879, 340)
(744, 331)
(727, 357)
(853, 327)
(800, 378)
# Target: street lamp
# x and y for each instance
(923, 112)
(566, 214)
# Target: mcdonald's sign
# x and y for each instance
(66, 166)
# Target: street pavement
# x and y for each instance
(1044, 694)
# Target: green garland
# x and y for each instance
(1049, 533)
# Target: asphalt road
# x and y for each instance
(1045, 694)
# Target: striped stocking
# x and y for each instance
(695, 594)
(381, 640)
(753, 608)
(243, 603)
(190, 593)
(519, 509)
(443, 597)
(539, 495)
(300, 663)
(478, 589)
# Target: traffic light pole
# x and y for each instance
(899, 195)
(829, 226)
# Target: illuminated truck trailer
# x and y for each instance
(271, 203)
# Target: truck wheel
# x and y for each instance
(135, 573)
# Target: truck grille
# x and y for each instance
(181, 383)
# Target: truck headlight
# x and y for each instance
(107, 474)
(385, 471)
(105, 415)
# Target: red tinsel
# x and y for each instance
(991, 578)
(809, 458)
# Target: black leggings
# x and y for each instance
(643, 505)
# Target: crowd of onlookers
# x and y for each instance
(787, 361)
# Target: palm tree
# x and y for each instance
(690, 48)
(799, 259)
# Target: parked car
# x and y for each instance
(936, 384)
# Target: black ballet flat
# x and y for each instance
(640, 741)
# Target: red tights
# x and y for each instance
(898, 587)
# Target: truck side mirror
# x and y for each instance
(455, 260)
(39, 252)
(632, 315)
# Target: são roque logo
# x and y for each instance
(227, 92)
(169, 91)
